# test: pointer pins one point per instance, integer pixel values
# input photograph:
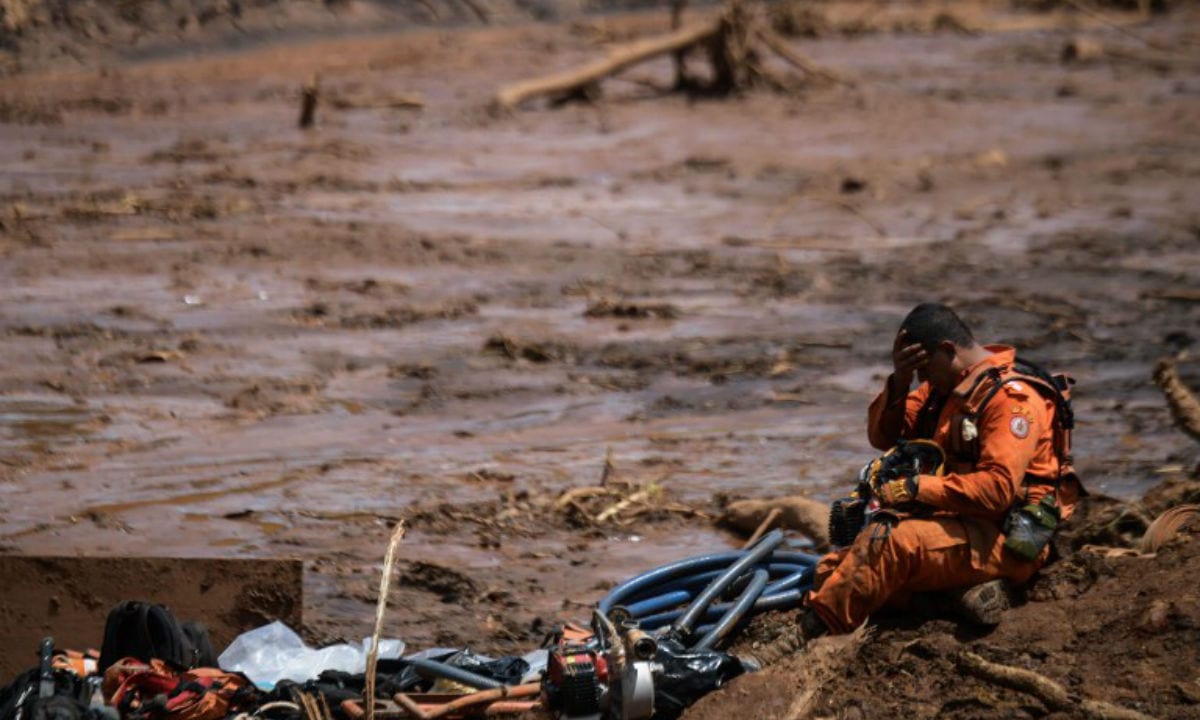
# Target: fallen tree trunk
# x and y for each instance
(513, 95)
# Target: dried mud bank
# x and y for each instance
(1115, 628)
(225, 336)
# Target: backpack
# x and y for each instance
(149, 631)
(154, 690)
(1053, 387)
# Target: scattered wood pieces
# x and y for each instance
(616, 508)
(1185, 408)
(1053, 695)
(574, 495)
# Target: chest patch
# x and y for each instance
(1019, 426)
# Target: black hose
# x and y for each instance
(683, 626)
(430, 669)
(744, 602)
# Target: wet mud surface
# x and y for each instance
(227, 337)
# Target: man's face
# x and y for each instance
(939, 370)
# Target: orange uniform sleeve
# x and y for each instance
(889, 418)
(1009, 432)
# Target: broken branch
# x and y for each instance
(1053, 695)
(795, 59)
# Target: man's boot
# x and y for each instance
(790, 640)
(984, 604)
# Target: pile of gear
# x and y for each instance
(652, 649)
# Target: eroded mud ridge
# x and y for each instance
(227, 336)
(1115, 627)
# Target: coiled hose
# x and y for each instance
(674, 598)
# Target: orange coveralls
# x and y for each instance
(962, 543)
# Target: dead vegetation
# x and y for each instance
(617, 500)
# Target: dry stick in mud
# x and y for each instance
(762, 528)
(1053, 695)
(308, 102)
(732, 49)
(1185, 408)
(389, 560)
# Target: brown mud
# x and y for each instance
(227, 337)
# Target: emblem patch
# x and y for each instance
(1019, 427)
(969, 430)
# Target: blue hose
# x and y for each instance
(779, 601)
(681, 591)
(747, 599)
(668, 594)
(658, 602)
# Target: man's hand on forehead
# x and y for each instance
(907, 357)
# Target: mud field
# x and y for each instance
(227, 337)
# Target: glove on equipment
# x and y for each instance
(893, 477)
(898, 491)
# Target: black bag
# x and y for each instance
(203, 654)
(145, 630)
(66, 695)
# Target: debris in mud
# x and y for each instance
(278, 396)
(490, 475)
(529, 350)
(631, 310)
(354, 318)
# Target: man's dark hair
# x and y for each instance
(931, 323)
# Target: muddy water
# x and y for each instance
(225, 337)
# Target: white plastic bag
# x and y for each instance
(275, 652)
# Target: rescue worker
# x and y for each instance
(1002, 454)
